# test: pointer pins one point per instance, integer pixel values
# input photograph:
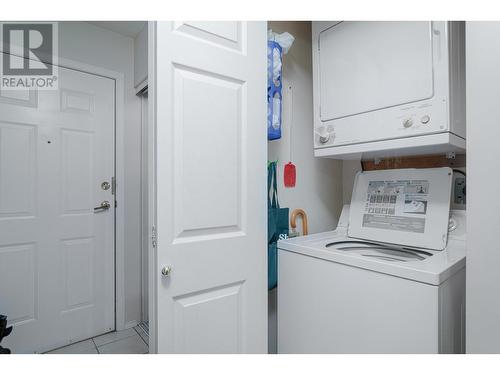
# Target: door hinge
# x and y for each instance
(113, 185)
(154, 241)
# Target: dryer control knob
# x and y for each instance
(324, 135)
(407, 123)
(425, 119)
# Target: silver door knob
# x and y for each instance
(165, 271)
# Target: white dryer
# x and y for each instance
(388, 88)
(342, 294)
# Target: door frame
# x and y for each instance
(119, 157)
(151, 164)
(145, 221)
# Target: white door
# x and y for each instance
(209, 100)
(56, 251)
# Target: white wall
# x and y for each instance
(93, 45)
(483, 205)
(319, 181)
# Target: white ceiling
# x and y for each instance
(127, 28)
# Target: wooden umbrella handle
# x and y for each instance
(293, 220)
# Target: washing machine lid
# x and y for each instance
(408, 207)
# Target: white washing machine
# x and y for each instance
(370, 286)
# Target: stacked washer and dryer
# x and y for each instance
(391, 277)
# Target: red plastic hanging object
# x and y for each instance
(290, 174)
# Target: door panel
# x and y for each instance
(204, 160)
(222, 33)
(211, 190)
(20, 260)
(77, 101)
(77, 170)
(195, 327)
(78, 262)
(56, 254)
(26, 98)
(17, 142)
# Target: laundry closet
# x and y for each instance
(387, 118)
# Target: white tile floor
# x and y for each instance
(130, 341)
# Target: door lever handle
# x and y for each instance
(104, 206)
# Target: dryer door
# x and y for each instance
(367, 66)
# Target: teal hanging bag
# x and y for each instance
(277, 225)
